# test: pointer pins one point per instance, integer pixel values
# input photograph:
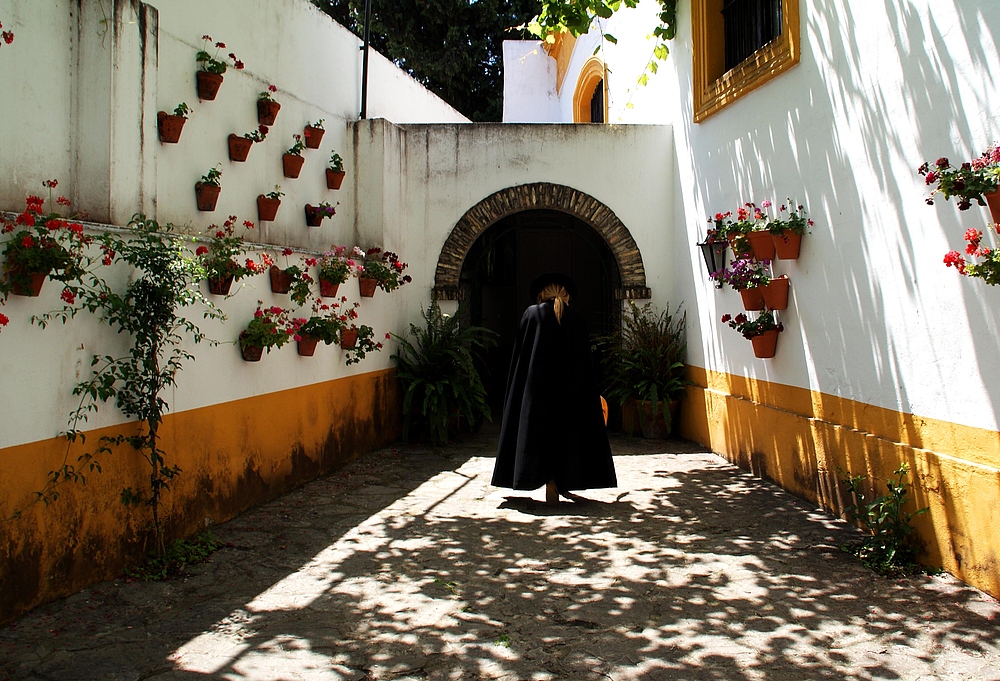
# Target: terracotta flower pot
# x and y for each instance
(207, 194)
(314, 218)
(220, 287)
(267, 111)
(653, 427)
(993, 202)
(267, 208)
(765, 344)
(762, 245)
(169, 127)
(292, 165)
(307, 346)
(367, 286)
(208, 85)
(251, 353)
(334, 178)
(25, 283)
(740, 244)
(786, 245)
(348, 339)
(239, 148)
(312, 137)
(327, 289)
(753, 298)
(776, 293)
(281, 280)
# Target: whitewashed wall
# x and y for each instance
(86, 115)
(880, 88)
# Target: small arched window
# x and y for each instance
(590, 100)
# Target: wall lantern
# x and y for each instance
(715, 256)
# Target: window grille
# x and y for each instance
(749, 26)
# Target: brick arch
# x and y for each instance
(540, 196)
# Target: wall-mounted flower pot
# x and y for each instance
(207, 195)
(765, 344)
(740, 244)
(313, 136)
(291, 164)
(267, 111)
(281, 281)
(239, 148)
(314, 217)
(993, 202)
(221, 286)
(307, 346)
(776, 293)
(753, 298)
(208, 85)
(251, 353)
(367, 286)
(348, 338)
(169, 127)
(25, 283)
(762, 245)
(267, 208)
(328, 289)
(334, 178)
(786, 245)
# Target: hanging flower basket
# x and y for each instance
(762, 245)
(327, 288)
(281, 280)
(334, 178)
(307, 346)
(776, 293)
(169, 127)
(220, 286)
(208, 85)
(267, 208)
(239, 148)
(786, 245)
(313, 136)
(267, 111)
(207, 195)
(765, 344)
(753, 298)
(292, 165)
(367, 287)
(252, 353)
(349, 338)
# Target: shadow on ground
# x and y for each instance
(408, 565)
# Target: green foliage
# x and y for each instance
(438, 373)
(889, 547)
(453, 47)
(164, 280)
(176, 557)
(645, 359)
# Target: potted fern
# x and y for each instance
(436, 367)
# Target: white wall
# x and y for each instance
(880, 88)
(529, 84)
(86, 115)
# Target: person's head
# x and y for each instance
(556, 287)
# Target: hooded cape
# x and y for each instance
(553, 423)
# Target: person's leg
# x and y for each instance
(551, 493)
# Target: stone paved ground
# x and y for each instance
(408, 565)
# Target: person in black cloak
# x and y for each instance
(553, 431)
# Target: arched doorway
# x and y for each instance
(513, 251)
(511, 236)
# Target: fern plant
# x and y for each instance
(435, 364)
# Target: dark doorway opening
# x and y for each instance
(513, 251)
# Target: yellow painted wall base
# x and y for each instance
(806, 441)
(232, 456)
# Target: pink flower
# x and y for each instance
(930, 178)
(766, 203)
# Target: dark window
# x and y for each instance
(597, 103)
(750, 24)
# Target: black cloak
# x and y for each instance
(553, 423)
